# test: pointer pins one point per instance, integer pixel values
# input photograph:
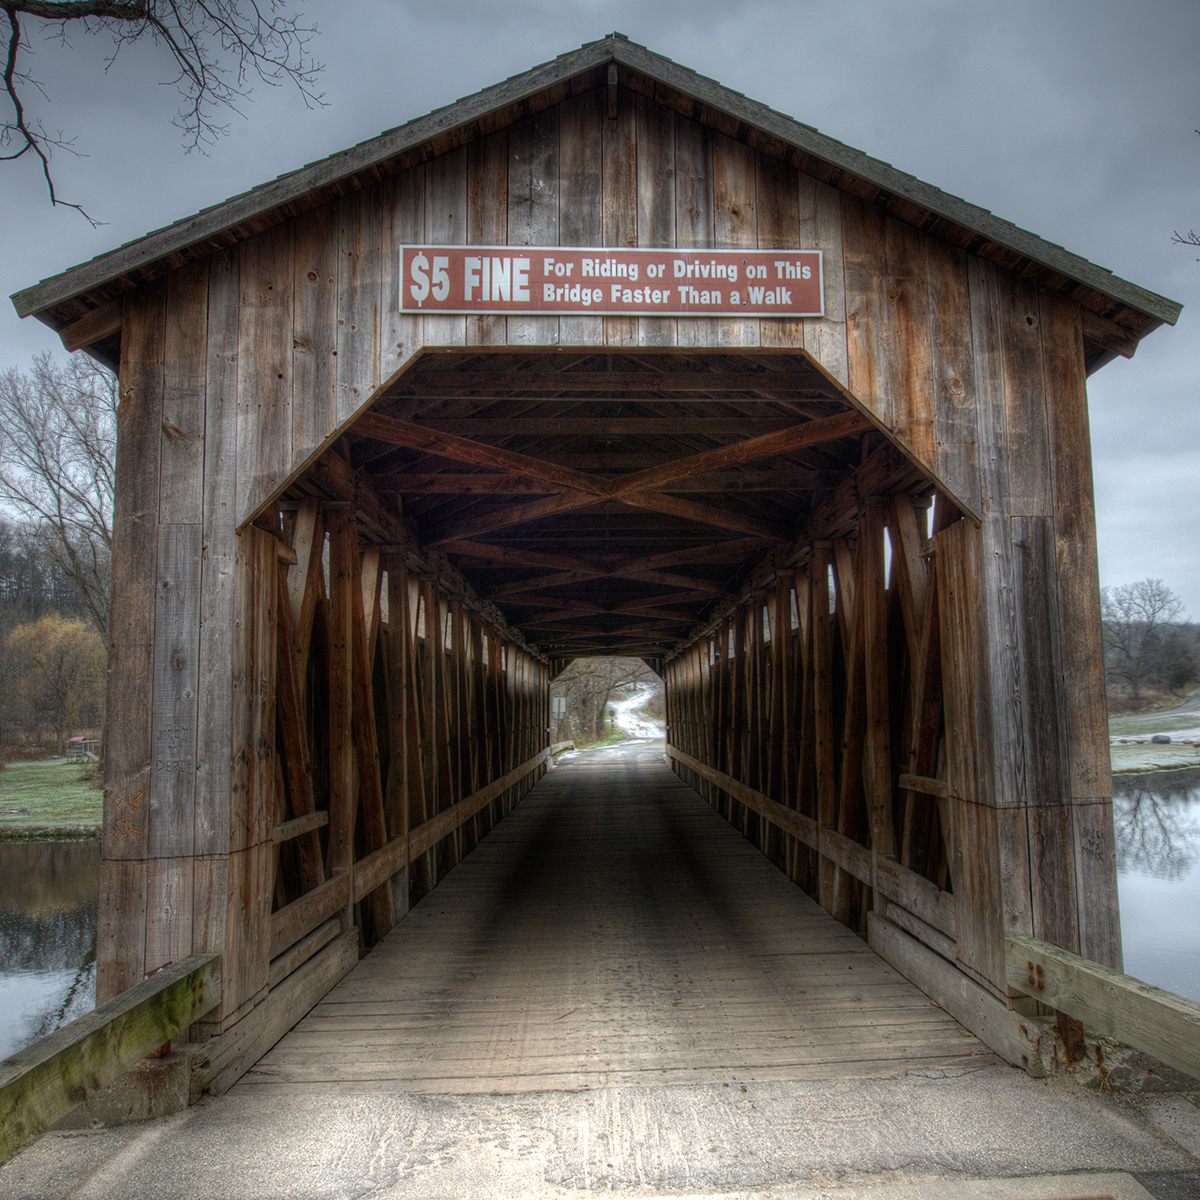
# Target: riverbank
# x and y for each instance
(1133, 750)
(57, 799)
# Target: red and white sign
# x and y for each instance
(553, 280)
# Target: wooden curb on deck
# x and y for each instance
(42, 1083)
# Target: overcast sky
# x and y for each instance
(1074, 119)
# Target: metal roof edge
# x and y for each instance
(615, 47)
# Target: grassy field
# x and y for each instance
(54, 797)
(1131, 749)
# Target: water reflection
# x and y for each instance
(48, 901)
(1156, 817)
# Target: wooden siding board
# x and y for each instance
(487, 215)
(1024, 398)
(533, 207)
(735, 226)
(128, 752)
(778, 191)
(359, 293)
(1075, 552)
(402, 222)
(174, 688)
(868, 344)
(314, 329)
(181, 455)
(655, 127)
(264, 368)
(446, 210)
(825, 337)
(693, 207)
(214, 716)
(910, 373)
(618, 148)
(955, 393)
(1003, 648)
(581, 198)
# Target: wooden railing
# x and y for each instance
(297, 921)
(903, 886)
(1108, 1003)
(42, 1083)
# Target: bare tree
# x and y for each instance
(1137, 617)
(212, 48)
(589, 683)
(1191, 238)
(58, 433)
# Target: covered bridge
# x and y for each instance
(605, 359)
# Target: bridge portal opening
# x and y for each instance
(731, 523)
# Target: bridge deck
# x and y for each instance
(614, 930)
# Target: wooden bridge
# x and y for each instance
(614, 931)
(365, 516)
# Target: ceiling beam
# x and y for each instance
(678, 426)
(462, 383)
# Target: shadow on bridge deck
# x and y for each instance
(614, 930)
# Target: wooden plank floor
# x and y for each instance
(614, 930)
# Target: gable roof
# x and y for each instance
(1127, 311)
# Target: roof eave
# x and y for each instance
(294, 186)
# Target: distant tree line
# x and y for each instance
(57, 452)
(1151, 649)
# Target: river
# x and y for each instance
(48, 905)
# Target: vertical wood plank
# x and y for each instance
(655, 125)
(877, 758)
(128, 750)
(314, 325)
(487, 219)
(735, 225)
(446, 225)
(693, 207)
(825, 337)
(184, 354)
(533, 207)
(175, 688)
(619, 158)
(581, 197)
(264, 368)
(909, 344)
(778, 213)
(402, 222)
(360, 220)
(343, 594)
(120, 927)
(218, 573)
(1024, 397)
(867, 333)
(955, 395)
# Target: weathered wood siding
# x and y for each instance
(238, 370)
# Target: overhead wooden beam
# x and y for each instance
(737, 427)
(1102, 332)
(510, 557)
(394, 432)
(492, 484)
(782, 384)
(731, 551)
(101, 322)
(769, 445)
(706, 514)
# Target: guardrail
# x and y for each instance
(1108, 1003)
(42, 1083)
